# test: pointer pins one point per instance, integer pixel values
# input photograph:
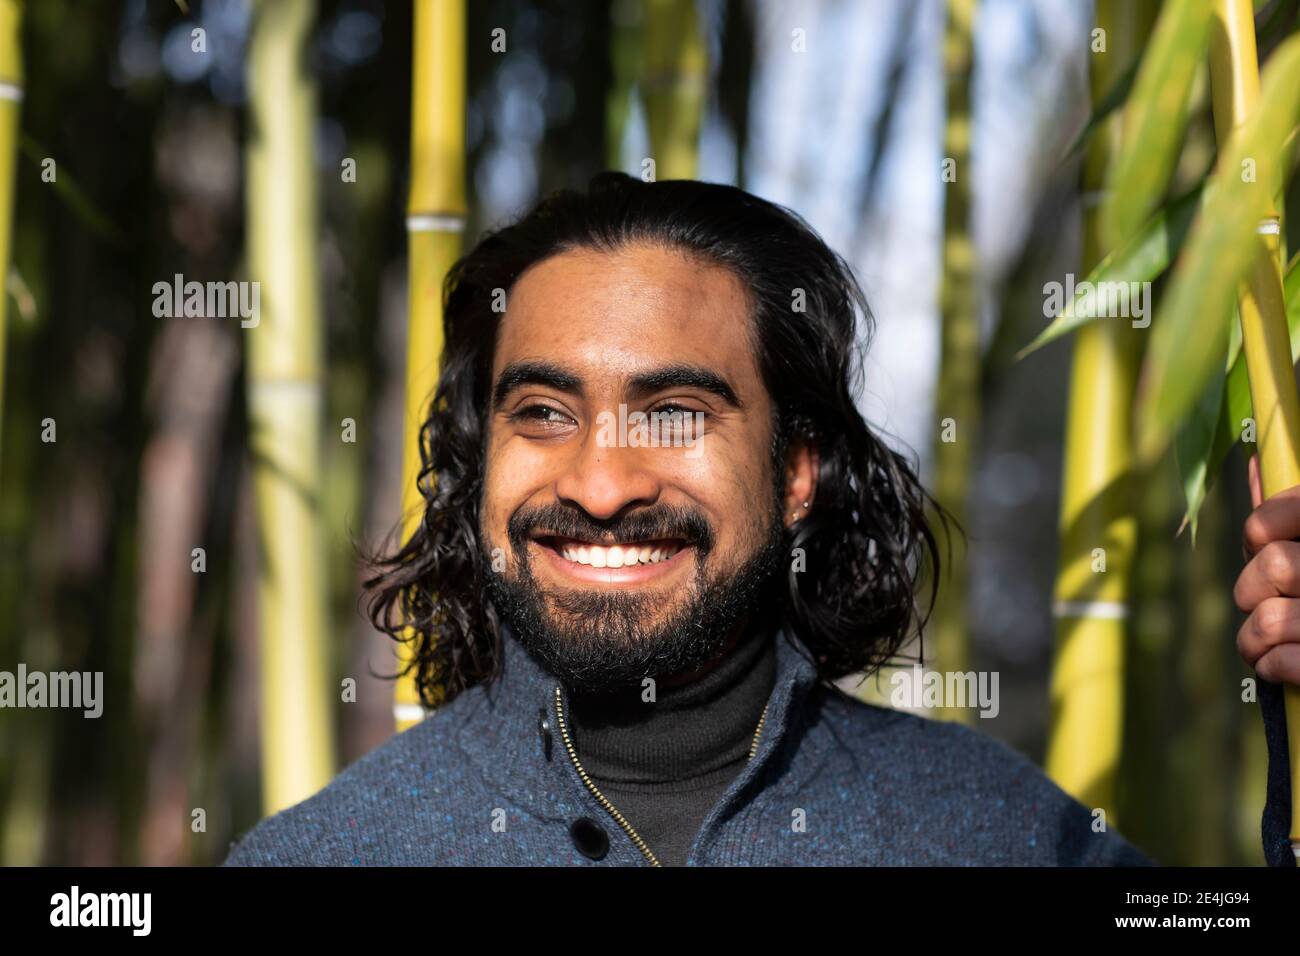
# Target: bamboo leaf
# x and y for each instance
(1113, 100)
(1155, 116)
(1196, 437)
(1190, 335)
(1200, 460)
(1144, 258)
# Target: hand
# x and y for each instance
(1268, 588)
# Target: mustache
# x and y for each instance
(568, 521)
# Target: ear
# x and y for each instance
(801, 464)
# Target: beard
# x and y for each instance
(600, 640)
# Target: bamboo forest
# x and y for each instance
(226, 228)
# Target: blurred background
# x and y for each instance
(151, 139)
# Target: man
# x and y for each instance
(656, 529)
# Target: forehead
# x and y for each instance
(612, 313)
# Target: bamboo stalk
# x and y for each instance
(285, 407)
(1092, 590)
(674, 76)
(11, 97)
(435, 220)
(1265, 339)
(958, 396)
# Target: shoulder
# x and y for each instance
(951, 779)
(370, 812)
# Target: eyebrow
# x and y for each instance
(685, 376)
(518, 374)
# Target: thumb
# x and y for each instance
(1256, 486)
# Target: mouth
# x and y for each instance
(623, 554)
(623, 562)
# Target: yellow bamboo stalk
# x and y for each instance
(1098, 522)
(11, 97)
(959, 350)
(285, 406)
(673, 79)
(435, 221)
(1234, 74)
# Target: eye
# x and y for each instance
(672, 408)
(679, 421)
(538, 414)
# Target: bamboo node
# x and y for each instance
(1107, 610)
(435, 222)
(412, 713)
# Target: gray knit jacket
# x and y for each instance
(487, 780)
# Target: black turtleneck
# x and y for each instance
(664, 764)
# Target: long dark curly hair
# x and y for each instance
(868, 541)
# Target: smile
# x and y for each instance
(622, 562)
(616, 555)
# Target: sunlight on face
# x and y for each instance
(623, 535)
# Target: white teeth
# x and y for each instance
(616, 556)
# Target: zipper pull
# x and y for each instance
(544, 731)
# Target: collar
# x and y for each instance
(513, 733)
(688, 733)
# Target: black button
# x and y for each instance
(590, 838)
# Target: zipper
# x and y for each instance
(602, 799)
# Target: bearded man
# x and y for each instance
(629, 649)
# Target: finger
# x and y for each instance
(1280, 665)
(1273, 572)
(1256, 488)
(1276, 519)
(1275, 623)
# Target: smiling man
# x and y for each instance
(628, 647)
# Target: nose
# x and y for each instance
(603, 480)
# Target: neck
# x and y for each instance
(693, 724)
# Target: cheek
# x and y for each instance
(495, 512)
(510, 479)
(735, 493)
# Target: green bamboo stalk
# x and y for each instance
(285, 349)
(1265, 337)
(1098, 525)
(674, 73)
(958, 396)
(11, 96)
(435, 220)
